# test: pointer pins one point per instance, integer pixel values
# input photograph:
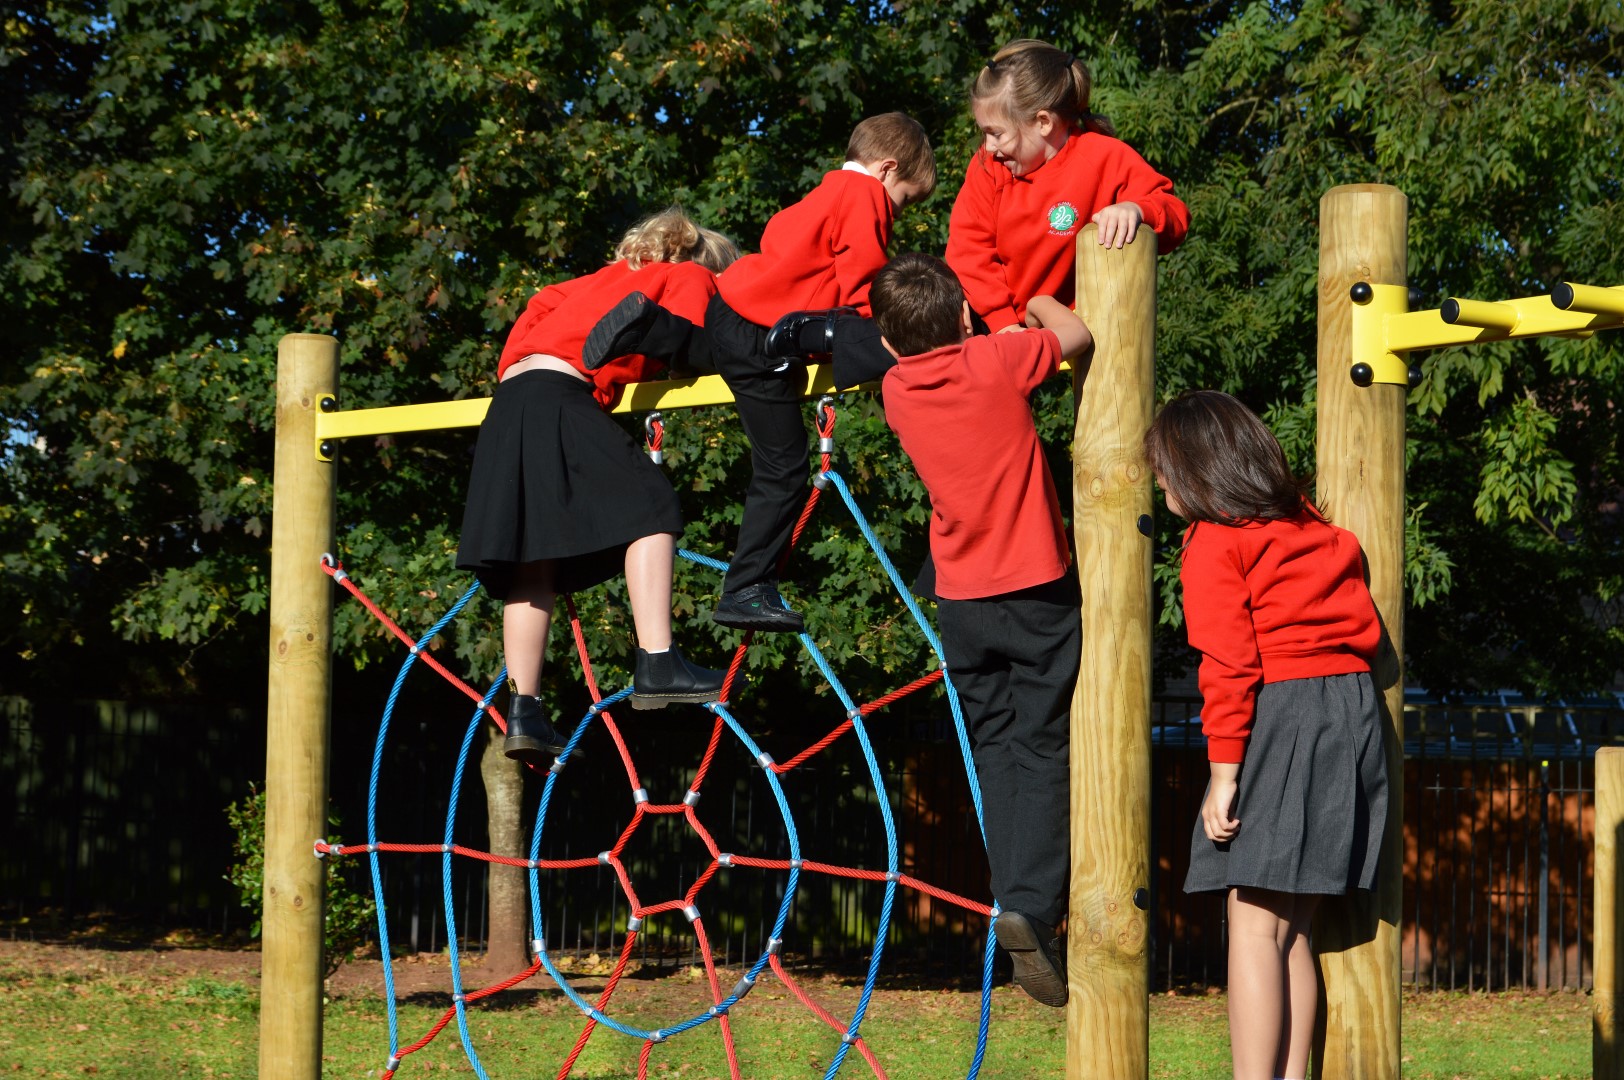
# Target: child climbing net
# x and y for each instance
(723, 1002)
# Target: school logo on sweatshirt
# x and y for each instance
(1062, 219)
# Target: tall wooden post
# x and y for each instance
(1606, 1056)
(1360, 471)
(296, 721)
(1108, 937)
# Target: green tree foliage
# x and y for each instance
(348, 912)
(187, 182)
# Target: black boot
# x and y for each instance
(530, 738)
(758, 607)
(638, 325)
(1031, 946)
(661, 679)
(805, 334)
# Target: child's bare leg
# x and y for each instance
(662, 675)
(527, 615)
(648, 583)
(1259, 929)
(1302, 992)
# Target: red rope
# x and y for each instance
(825, 423)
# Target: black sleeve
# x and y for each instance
(859, 355)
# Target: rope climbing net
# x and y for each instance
(723, 1002)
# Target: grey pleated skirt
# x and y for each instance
(555, 477)
(1312, 794)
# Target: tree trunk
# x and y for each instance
(507, 926)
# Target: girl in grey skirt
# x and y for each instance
(1276, 602)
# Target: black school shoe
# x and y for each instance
(1031, 946)
(637, 325)
(530, 738)
(757, 607)
(666, 678)
(804, 333)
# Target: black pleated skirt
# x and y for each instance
(1312, 793)
(555, 477)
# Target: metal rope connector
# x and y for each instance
(654, 437)
(691, 799)
(320, 845)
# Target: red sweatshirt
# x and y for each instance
(1268, 601)
(961, 414)
(559, 317)
(821, 252)
(1011, 238)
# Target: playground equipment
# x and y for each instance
(1363, 366)
(1110, 721)
(1365, 336)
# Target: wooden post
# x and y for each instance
(296, 721)
(1108, 1018)
(1606, 1056)
(1360, 471)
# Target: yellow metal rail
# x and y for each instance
(333, 423)
(1385, 331)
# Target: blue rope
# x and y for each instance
(720, 1009)
(475, 725)
(372, 810)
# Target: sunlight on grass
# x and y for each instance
(129, 1026)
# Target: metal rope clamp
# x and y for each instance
(825, 420)
(654, 437)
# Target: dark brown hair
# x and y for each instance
(895, 135)
(1027, 77)
(917, 302)
(1219, 461)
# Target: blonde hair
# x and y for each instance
(900, 136)
(1027, 77)
(672, 236)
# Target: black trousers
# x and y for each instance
(1013, 659)
(770, 410)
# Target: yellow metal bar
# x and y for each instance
(1536, 316)
(1593, 298)
(1384, 332)
(1458, 312)
(470, 412)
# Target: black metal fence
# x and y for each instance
(120, 808)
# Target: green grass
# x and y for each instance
(105, 1023)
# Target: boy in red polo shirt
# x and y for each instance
(1007, 601)
(822, 252)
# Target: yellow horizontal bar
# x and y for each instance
(1595, 298)
(1536, 315)
(470, 412)
(1457, 312)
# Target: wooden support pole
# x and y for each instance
(1606, 1056)
(1360, 472)
(1108, 937)
(296, 721)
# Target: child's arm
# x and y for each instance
(1047, 313)
(862, 231)
(1142, 195)
(972, 249)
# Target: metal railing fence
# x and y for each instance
(1498, 836)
